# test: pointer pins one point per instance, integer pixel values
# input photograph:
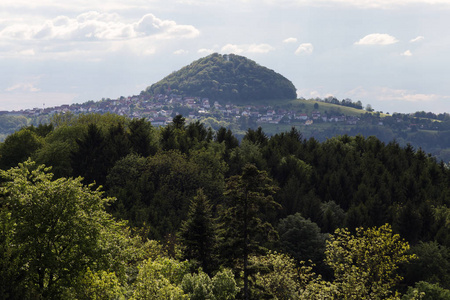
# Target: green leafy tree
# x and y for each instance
(301, 238)
(224, 286)
(18, 147)
(128, 182)
(365, 264)
(101, 285)
(54, 230)
(426, 291)
(57, 149)
(160, 278)
(41, 130)
(199, 286)
(432, 265)
(244, 230)
(276, 276)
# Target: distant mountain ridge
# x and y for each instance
(227, 77)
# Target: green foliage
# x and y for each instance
(88, 160)
(127, 181)
(185, 138)
(243, 229)
(57, 155)
(18, 147)
(54, 230)
(365, 264)
(275, 274)
(141, 137)
(224, 285)
(345, 181)
(160, 278)
(69, 119)
(226, 78)
(197, 235)
(432, 265)
(200, 286)
(301, 238)
(41, 130)
(101, 285)
(156, 191)
(426, 291)
(10, 124)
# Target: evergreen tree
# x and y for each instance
(117, 145)
(88, 160)
(140, 137)
(244, 230)
(198, 233)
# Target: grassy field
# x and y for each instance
(307, 106)
(317, 129)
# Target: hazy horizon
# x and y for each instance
(390, 54)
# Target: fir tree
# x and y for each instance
(198, 233)
(244, 230)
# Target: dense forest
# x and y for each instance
(227, 77)
(105, 207)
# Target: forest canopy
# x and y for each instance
(111, 206)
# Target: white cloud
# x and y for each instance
(63, 36)
(245, 48)
(27, 52)
(24, 87)
(96, 26)
(407, 53)
(119, 4)
(180, 52)
(290, 40)
(205, 51)
(149, 24)
(231, 48)
(389, 94)
(377, 39)
(260, 48)
(417, 39)
(305, 48)
(364, 4)
(82, 5)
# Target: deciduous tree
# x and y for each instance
(365, 264)
(52, 230)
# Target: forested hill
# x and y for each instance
(209, 217)
(227, 77)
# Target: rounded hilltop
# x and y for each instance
(227, 77)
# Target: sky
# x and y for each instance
(391, 54)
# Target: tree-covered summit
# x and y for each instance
(227, 77)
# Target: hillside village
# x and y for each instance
(160, 110)
(318, 118)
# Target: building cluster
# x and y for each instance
(160, 110)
